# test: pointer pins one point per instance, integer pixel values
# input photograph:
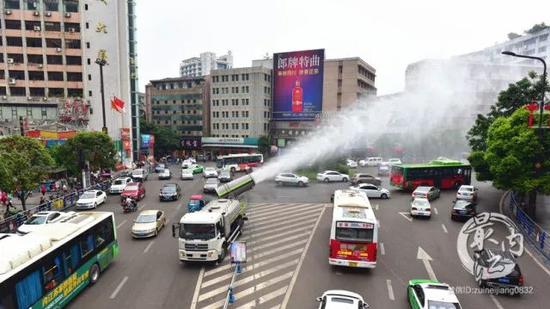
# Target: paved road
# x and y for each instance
(287, 237)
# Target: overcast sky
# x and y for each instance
(386, 34)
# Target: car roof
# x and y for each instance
(439, 292)
(149, 212)
(92, 191)
(171, 184)
(421, 199)
(461, 204)
(329, 171)
(46, 213)
(342, 293)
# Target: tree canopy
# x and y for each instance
(96, 147)
(166, 140)
(24, 163)
(516, 96)
(536, 28)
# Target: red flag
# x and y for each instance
(117, 104)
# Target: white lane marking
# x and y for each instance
(256, 216)
(266, 253)
(302, 258)
(500, 203)
(274, 236)
(120, 285)
(495, 300)
(264, 285)
(422, 255)
(435, 210)
(279, 257)
(121, 223)
(282, 228)
(269, 296)
(275, 231)
(208, 283)
(148, 246)
(278, 242)
(218, 269)
(275, 307)
(376, 206)
(141, 207)
(197, 289)
(379, 224)
(390, 290)
(382, 249)
(444, 228)
(275, 219)
(274, 208)
(406, 215)
(277, 222)
(223, 290)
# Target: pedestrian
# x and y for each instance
(43, 189)
(3, 197)
(42, 200)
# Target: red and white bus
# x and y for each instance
(241, 162)
(354, 231)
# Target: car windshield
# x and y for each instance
(169, 189)
(210, 169)
(211, 181)
(87, 195)
(460, 204)
(198, 231)
(341, 300)
(166, 171)
(118, 182)
(432, 304)
(421, 203)
(146, 219)
(467, 189)
(37, 220)
(225, 173)
(137, 172)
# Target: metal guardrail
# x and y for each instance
(531, 231)
(10, 224)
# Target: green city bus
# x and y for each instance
(441, 173)
(48, 267)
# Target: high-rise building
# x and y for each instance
(48, 70)
(181, 104)
(202, 65)
(240, 102)
(536, 44)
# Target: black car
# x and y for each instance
(170, 192)
(463, 210)
(497, 269)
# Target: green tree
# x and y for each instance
(96, 147)
(516, 96)
(264, 145)
(166, 140)
(25, 163)
(536, 28)
(509, 161)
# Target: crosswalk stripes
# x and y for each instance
(276, 236)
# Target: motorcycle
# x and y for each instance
(129, 206)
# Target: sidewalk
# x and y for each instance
(543, 211)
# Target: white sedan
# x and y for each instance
(119, 184)
(328, 176)
(421, 207)
(187, 173)
(91, 199)
(467, 192)
(351, 164)
(42, 217)
(394, 161)
(210, 172)
(336, 299)
(291, 179)
(373, 191)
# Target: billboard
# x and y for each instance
(298, 85)
(191, 142)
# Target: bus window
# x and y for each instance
(29, 290)
(53, 273)
(86, 245)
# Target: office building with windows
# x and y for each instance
(181, 104)
(202, 65)
(48, 70)
(240, 104)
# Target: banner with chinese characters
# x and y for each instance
(191, 142)
(298, 85)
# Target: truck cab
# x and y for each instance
(204, 235)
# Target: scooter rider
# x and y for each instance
(130, 202)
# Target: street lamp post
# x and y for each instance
(102, 62)
(540, 155)
(541, 107)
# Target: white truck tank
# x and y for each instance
(229, 209)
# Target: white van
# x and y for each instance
(374, 161)
(140, 174)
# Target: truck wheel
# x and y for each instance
(222, 255)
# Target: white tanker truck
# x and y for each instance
(205, 235)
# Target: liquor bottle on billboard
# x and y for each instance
(297, 98)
